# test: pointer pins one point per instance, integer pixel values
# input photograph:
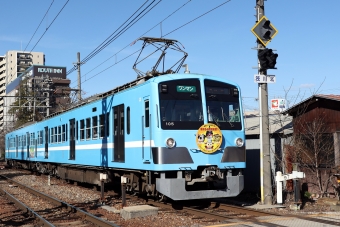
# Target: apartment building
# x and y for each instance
(12, 64)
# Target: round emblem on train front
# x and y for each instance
(209, 138)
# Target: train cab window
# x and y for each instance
(128, 120)
(101, 125)
(95, 127)
(180, 104)
(88, 128)
(223, 105)
(82, 129)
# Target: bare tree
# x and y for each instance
(314, 150)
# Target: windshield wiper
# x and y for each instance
(227, 118)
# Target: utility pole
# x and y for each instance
(265, 166)
(77, 65)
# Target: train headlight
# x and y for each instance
(239, 142)
(170, 142)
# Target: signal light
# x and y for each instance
(267, 59)
(266, 31)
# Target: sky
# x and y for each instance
(216, 34)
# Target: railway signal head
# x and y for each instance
(267, 59)
(264, 30)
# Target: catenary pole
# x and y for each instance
(265, 172)
(77, 65)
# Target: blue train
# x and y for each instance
(177, 135)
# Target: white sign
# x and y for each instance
(264, 79)
(278, 104)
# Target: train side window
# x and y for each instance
(82, 129)
(107, 126)
(88, 128)
(51, 135)
(63, 134)
(147, 111)
(101, 125)
(95, 127)
(55, 135)
(24, 140)
(128, 120)
(59, 134)
(66, 132)
(32, 138)
(40, 137)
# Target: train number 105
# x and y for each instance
(169, 123)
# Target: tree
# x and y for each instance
(23, 106)
(314, 151)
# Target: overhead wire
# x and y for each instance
(124, 29)
(162, 36)
(39, 25)
(50, 24)
(45, 30)
(137, 38)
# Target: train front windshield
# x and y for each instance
(223, 106)
(181, 105)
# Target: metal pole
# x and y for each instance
(265, 172)
(123, 195)
(102, 191)
(77, 64)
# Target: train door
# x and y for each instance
(72, 140)
(46, 142)
(146, 132)
(118, 134)
(16, 146)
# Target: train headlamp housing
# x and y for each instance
(170, 142)
(239, 142)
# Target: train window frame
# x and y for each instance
(88, 128)
(82, 129)
(95, 127)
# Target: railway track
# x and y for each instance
(217, 212)
(51, 211)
